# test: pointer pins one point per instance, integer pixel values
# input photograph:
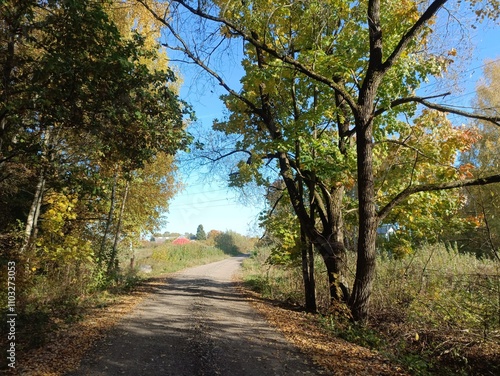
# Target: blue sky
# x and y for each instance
(206, 199)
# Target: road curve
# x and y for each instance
(197, 324)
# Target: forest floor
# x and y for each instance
(198, 322)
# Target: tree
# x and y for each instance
(338, 76)
(288, 241)
(482, 204)
(200, 233)
(83, 110)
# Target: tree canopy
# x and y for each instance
(330, 100)
(90, 120)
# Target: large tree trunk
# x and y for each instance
(368, 222)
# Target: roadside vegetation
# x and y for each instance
(57, 299)
(436, 311)
(167, 257)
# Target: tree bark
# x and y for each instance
(109, 220)
(32, 221)
(307, 251)
(114, 251)
(368, 221)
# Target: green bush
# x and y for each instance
(233, 243)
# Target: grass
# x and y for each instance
(169, 258)
(435, 312)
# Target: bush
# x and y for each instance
(233, 243)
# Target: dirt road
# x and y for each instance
(197, 324)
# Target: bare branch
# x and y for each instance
(434, 187)
(443, 108)
(439, 107)
(222, 156)
(401, 101)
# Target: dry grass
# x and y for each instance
(435, 312)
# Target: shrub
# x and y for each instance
(233, 243)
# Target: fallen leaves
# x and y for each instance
(337, 356)
(64, 348)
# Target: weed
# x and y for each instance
(436, 311)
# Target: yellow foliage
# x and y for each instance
(58, 240)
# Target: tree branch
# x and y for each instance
(262, 45)
(188, 52)
(222, 156)
(492, 119)
(434, 187)
(412, 33)
(400, 101)
(439, 107)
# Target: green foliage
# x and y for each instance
(398, 246)
(200, 233)
(90, 120)
(69, 106)
(233, 243)
(282, 232)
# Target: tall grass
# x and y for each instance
(273, 282)
(436, 288)
(168, 257)
(436, 309)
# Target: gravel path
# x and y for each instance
(196, 325)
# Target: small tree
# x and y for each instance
(200, 233)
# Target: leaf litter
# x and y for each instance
(65, 348)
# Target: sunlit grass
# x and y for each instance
(169, 258)
(426, 308)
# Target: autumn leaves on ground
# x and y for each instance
(392, 345)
